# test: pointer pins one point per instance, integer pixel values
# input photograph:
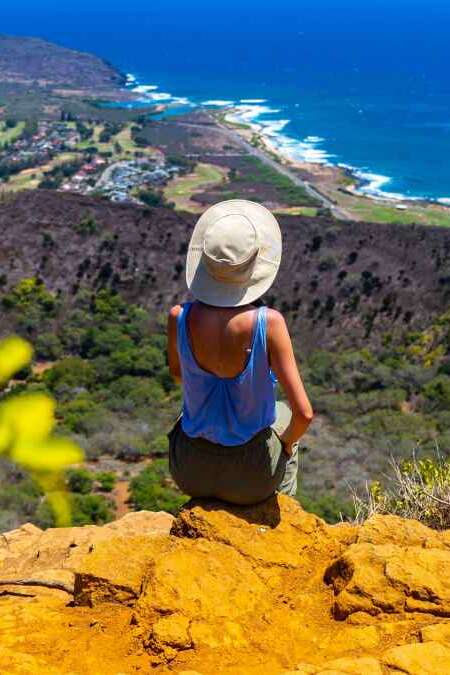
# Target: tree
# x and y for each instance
(151, 197)
(70, 372)
(48, 346)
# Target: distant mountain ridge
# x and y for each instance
(40, 80)
(33, 61)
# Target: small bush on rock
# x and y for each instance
(417, 488)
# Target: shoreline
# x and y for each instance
(337, 183)
(348, 179)
(324, 176)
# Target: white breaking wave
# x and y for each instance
(144, 88)
(161, 96)
(253, 100)
(217, 102)
(148, 92)
(445, 201)
(183, 100)
(314, 139)
(372, 184)
(271, 130)
(249, 114)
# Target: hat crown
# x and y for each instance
(231, 240)
(234, 253)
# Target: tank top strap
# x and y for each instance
(259, 347)
(260, 342)
(182, 330)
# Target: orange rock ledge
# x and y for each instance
(266, 589)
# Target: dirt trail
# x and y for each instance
(120, 496)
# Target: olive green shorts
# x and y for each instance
(240, 474)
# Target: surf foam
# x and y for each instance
(149, 92)
(217, 102)
(306, 150)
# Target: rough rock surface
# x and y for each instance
(222, 589)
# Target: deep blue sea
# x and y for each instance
(364, 84)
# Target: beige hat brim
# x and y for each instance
(221, 294)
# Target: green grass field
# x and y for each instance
(180, 190)
(425, 215)
(309, 211)
(124, 138)
(29, 179)
(378, 212)
(9, 135)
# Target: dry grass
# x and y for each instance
(416, 488)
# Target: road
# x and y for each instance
(336, 211)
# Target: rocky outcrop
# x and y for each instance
(264, 589)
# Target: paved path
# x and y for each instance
(108, 172)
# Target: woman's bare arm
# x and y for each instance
(172, 351)
(284, 365)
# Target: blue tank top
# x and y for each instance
(227, 410)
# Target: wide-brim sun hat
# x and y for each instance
(234, 253)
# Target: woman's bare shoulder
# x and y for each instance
(174, 311)
(275, 320)
(172, 318)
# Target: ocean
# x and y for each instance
(360, 84)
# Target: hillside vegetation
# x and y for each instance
(97, 355)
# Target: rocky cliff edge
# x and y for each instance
(267, 589)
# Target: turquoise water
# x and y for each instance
(366, 85)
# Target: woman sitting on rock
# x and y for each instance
(233, 441)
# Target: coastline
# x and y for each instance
(350, 190)
(316, 161)
(346, 188)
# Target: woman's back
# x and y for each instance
(221, 338)
(228, 385)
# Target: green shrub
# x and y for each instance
(438, 392)
(81, 414)
(87, 227)
(21, 497)
(380, 399)
(107, 480)
(72, 371)
(185, 164)
(80, 481)
(48, 346)
(327, 263)
(151, 197)
(91, 509)
(329, 507)
(30, 294)
(153, 489)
